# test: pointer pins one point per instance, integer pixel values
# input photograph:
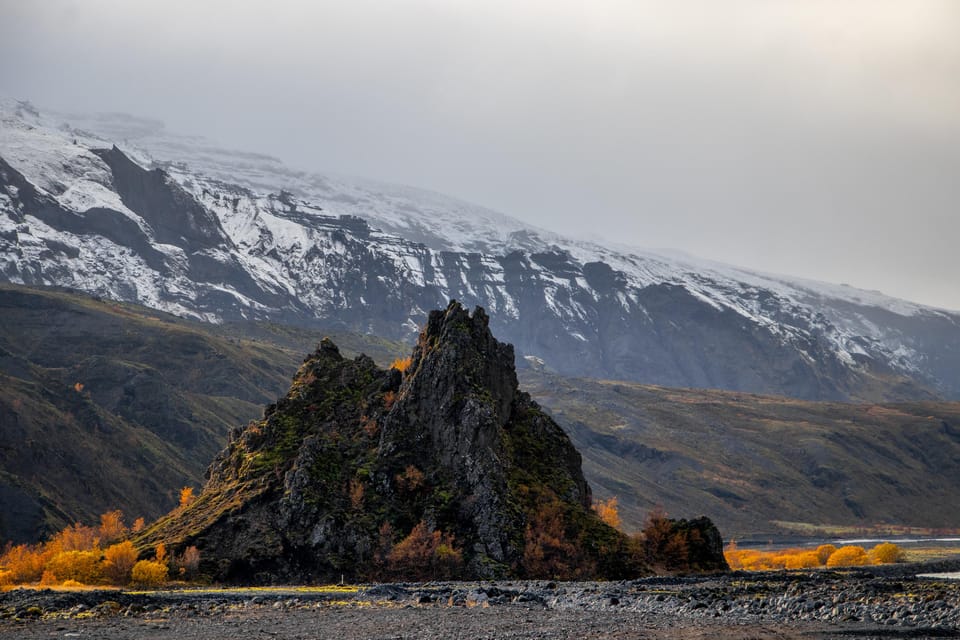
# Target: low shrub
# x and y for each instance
(149, 573)
(848, 556)
(886, 553)
(79, 566)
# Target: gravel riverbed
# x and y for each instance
(815, 604)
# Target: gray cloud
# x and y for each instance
(816, 138)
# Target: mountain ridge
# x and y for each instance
(309, 250)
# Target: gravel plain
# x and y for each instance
(887, 603)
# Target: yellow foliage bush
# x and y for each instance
(148, 573)
(825, 555)
(161, 554)
(824, 552)
(24, 563)
(802, 560)
(118, 561)
(73, 556)
(848, 556)
(81, 566)
(886, 553)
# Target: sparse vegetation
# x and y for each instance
(75, 557)
(401, 364)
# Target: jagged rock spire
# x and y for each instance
(355, 459)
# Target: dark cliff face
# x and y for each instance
(344, 473)
(173, 215)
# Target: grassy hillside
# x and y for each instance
(106, 405)
(754, 462)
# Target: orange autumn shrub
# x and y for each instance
(389, 398)
(118, 561)
(111, 527)
(401, 364)
(24, 563)
(547, 552)
(886, 553)
(411, 480)
(187, 563)
(848, 556)
(426, 555)
(186, 497)
(826, 555)
(356, 490)
(824, 552)
(80, 566)
(73, 556)
(608, 511)
(77, 537)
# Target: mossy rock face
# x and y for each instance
(354, 459)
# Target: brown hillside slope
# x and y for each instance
(750, 462)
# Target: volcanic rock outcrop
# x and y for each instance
(438, 467)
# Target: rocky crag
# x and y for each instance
(438, 467)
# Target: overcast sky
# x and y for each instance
(818, 138)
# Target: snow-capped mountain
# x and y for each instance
(119, 207)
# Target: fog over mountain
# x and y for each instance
(818, 139)
(175, 223)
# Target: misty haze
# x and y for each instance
(481, 319)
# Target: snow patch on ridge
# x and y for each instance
(289, 225)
